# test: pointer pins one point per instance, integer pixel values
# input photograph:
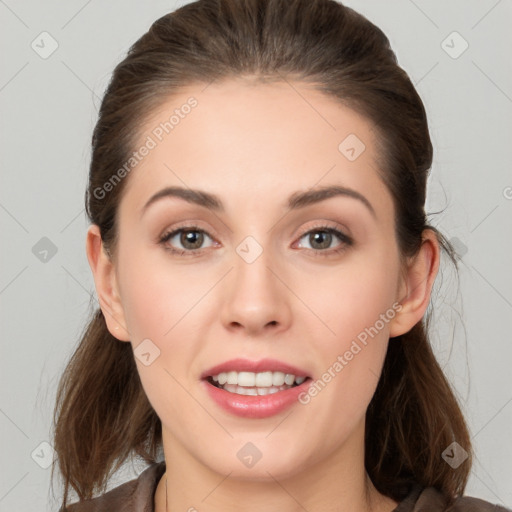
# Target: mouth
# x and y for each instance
(255, 389)
(255, 384)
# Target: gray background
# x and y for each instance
(49, 107)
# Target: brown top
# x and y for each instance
(137, 495)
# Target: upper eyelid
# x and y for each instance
(171, 233)
(321, 225)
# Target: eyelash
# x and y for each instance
(345, 240)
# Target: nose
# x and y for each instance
(256, 301)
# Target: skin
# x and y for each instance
(254, 146)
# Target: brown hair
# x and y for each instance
(102, 415)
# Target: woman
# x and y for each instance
(263, 266)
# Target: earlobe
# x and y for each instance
(105, 282)
(416, 286)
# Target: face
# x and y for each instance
(260, 272)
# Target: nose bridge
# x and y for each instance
(256, 298)
(254, 283)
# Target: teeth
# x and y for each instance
(259, 380)
(263, 379)
(241, 390)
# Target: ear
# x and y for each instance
(106, 284)
(416, 285)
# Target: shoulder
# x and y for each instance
(431, 500)
(137, 495)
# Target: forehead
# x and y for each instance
(244, 138)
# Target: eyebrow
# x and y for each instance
(296, 201)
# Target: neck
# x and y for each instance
(338, 483)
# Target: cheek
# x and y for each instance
(348, 369)
(158, 305)
(351, 297)
(155, 295)
(356, 307)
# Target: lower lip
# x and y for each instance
(261, 406)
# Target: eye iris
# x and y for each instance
(322, 237)
(193, 237)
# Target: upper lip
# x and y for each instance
(246, 365)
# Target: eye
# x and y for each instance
(320, 240)
(191, 240)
